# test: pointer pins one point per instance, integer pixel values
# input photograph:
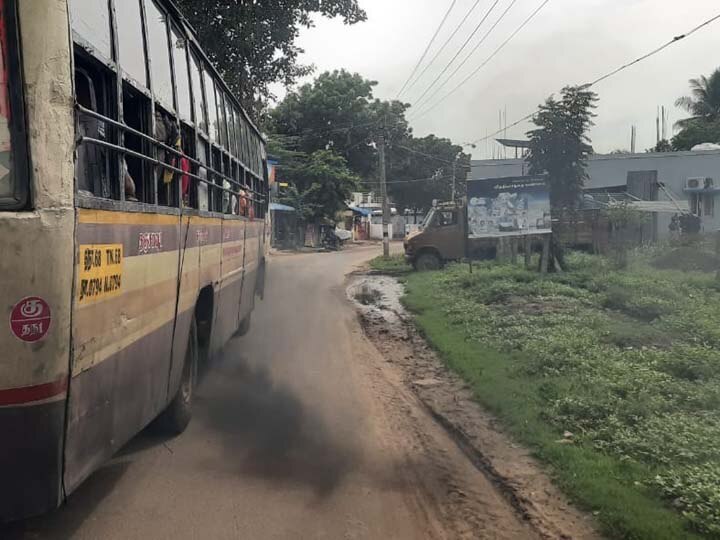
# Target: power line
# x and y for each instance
(470, 55)
(656, 51)
(444, 45)
(612, 73)
(436, 158)
(427, 49)
(460, 50)
(487, 60)
(417, 180)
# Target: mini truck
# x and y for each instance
(495, 208)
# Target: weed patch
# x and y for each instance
(629, 362)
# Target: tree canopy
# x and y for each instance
(253, 43)
(560, 145)
(338, 111)
(703, 104)
(321, 184)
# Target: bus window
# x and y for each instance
(188, 185)
(13, 189)
(130, 40)
(198, 95)
(167, 133)
(222, 120)
(202, 187)
(211, 107)
(92, 162)
(136, 171)
(159, 54)
(238, 135)
(182, 76)
(244, 149)
(91, 20)
(230, 125)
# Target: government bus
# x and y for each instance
(133, 203)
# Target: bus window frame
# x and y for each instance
(194, 55)
(19, 147)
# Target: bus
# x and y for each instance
(133, 232)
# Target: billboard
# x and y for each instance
(512, 206)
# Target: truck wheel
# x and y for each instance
(427, 262)
(177, 416)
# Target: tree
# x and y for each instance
(696, 132)
(662, 146)
(338, 111)
(560, 145)
(321, 184)
(703, 102)
(420, 171)
(253, 43)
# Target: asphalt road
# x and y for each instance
(299, 432)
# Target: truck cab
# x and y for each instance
(441, 238)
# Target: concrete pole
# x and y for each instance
(454, 170)
(384, 196)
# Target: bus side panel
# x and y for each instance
(210, 260)
(192, 237)
(124, 309)
(233, 253)
(36, 261)
(252, 265)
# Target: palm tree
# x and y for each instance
(704, 103)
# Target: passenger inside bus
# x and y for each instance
(135, 115)
(166, 132)
(92, 163)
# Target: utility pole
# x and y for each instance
(453, 178)
(384, 196)
(454, 174)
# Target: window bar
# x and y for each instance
(151, 86)
(118, 134)
(154, 161)
(157, 143)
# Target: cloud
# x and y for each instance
(570, 41)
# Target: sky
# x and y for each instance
(568, 42)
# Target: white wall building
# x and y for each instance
(686, 176)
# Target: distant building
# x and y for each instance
(692, 178)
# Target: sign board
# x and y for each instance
(512, 206)
(100, 272)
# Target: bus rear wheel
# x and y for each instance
(177, 416)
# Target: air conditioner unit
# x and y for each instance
(696, 182)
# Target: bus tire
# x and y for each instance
(427, 262)
(176, 417)
(244, 327)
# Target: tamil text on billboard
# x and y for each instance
(513, 206)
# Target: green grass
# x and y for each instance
(394, 265)
(627, 361)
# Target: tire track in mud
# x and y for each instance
(518, 482)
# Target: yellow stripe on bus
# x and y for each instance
(111, 217)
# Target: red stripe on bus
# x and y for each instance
(28, 394)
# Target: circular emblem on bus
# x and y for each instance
(30, 319)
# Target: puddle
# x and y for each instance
(377, 298)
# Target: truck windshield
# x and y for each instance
(428, 219)
(11, 189)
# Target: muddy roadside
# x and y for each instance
(517, 476)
